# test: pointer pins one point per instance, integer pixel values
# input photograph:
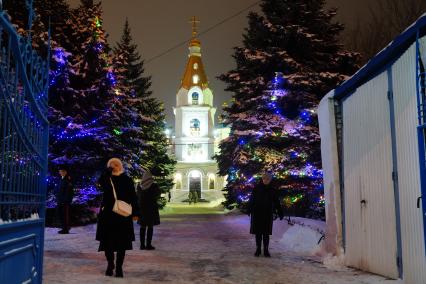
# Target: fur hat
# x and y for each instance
(146, 180)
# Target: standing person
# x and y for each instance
(262, 206)
(64, 196)
(148, 194)
(115, 232)
(193, 196)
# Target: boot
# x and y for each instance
(110, 258)
(142, 237)
(120, 260)
(258, 245)
(266, 246)
(149, 234)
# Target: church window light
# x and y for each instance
(195, 98)
(195, 151)
(194, 127)
(211, 181)
(195, 79)
(178, 181)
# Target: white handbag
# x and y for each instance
(120, 207)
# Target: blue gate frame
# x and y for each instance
(421, 128)
(23, 148)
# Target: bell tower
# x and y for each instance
(194, 111)
(194, 141)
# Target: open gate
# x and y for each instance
(23, 156)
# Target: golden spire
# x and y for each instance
(194, 21)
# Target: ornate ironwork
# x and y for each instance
(23, 153)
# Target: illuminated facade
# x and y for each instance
(194, 141)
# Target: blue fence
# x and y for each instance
(23, 156)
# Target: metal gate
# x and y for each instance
(421, 128)
(23, 156)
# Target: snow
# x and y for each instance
(198, 244)
(33, 216)
(304, 236)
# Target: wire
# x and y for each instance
(202, 33)
(194, 143)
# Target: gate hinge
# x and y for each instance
(395, 176)
(390, 95)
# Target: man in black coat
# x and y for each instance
(263, 205)
(64, 196)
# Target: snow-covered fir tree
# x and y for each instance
(81, 135)
(289, 60)
(141, 126)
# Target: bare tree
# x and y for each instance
(387, 19)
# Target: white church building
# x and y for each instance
(196, 139)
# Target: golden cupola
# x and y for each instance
(194, 72)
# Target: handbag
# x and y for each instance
(120, 207)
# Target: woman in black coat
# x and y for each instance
(148, 194)
(262, 206)
(114, 231)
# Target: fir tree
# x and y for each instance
(289, 60)
(141, 126)
(84, 105)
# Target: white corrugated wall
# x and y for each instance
(405, 103)
(330, 166)
(367, 155)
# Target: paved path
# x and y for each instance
(191, 248)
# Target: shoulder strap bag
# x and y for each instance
(120, 207)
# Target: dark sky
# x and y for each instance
(158, 25)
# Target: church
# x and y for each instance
(196, 139)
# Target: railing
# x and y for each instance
(23, 155)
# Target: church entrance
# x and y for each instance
(195, 182)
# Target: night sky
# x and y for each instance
(158, 25)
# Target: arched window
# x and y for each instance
(211, 181)
(195, 98)
(178, 181)
(194, 127)
(195, 151)
(195, 79)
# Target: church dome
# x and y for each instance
(194, 74)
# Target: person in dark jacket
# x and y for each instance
(263, 205)
(64, 196)
(115, 232)
(148, 194)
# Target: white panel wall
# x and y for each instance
(404, 88)
(330, 166)
(370, 228)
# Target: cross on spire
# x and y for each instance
(194, 21)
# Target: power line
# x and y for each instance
(201, 33)
(194, 143)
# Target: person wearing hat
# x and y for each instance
(64, 196)
(148, 194)
(263, 205)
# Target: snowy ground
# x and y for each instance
(199, 245)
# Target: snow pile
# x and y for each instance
(335, 262)
(33, 216)
(304, 236)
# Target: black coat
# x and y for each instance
(114, 231)
(65, 191)
(148, 207)
(262, 206)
